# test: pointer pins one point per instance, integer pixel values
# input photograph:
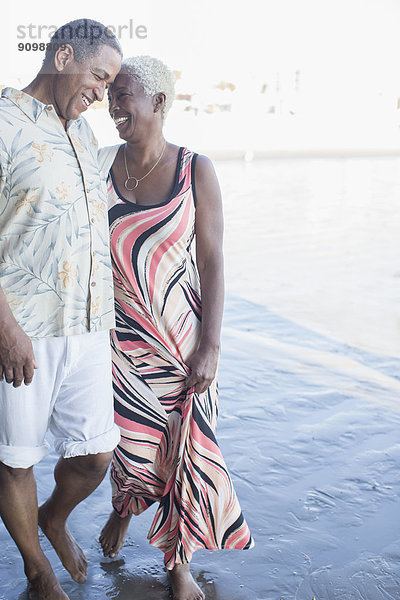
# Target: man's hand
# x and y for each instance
(17, 360)
(203, 367)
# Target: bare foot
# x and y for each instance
(45, 586)
(113, 534)
(183, 585)
(70, 554)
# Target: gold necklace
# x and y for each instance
(128, 177)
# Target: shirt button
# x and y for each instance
(87, 190)
(93, 220)
(49, 107)
(93, 283)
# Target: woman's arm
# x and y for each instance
(209, 255)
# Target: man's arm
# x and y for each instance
(17, 360)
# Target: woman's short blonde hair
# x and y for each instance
(153, 75)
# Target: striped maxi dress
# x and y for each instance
(168, 451)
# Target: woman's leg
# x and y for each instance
(113, 534)
(183, 585)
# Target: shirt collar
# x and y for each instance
(30, 106)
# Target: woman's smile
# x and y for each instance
(120, 120)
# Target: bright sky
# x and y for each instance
(353, 40)
(348, 51)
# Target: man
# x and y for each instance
(56, 300)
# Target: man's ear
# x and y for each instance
(63, 56)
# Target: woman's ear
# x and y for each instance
(158, 101)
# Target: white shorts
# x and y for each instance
(70, 395)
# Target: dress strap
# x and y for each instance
(187, 169)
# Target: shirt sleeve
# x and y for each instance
(3, 181)
(106, 157)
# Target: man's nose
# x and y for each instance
(99, 90)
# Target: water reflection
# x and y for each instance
(151, 585)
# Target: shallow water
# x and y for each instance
(317, 240)
(310, 382)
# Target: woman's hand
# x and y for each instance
(203, 367)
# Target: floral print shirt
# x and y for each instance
(54, 252)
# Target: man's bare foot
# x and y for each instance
(70, 554)
(113, 534)
(45, 586)
(183, 585)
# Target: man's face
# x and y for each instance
(78, 85)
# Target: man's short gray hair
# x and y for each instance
(153, 75)
(85, 36)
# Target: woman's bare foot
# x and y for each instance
(45, 586)
(70, 554)
(183, 585)
(113, 534)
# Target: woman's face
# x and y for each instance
(131, 110)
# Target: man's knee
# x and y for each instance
(14, 474)
(99, 462)
(91, 464)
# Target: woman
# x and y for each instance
(165, 215)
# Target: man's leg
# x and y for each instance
(76, 478)
(19, 511)
(82, 423)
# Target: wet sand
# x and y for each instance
(309, 414)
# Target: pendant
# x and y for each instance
(134, 187)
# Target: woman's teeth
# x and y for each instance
(120, 120)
